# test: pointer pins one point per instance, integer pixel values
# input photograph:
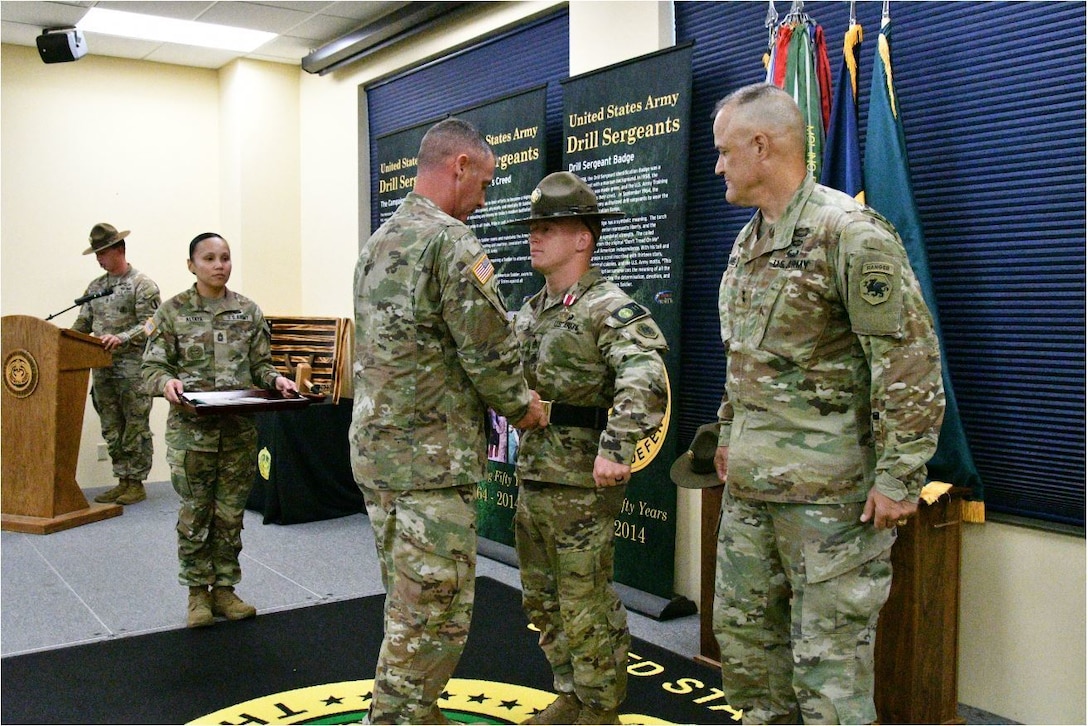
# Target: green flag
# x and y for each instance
(888, 190)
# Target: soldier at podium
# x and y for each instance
(122, 303)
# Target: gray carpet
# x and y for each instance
(118, 577)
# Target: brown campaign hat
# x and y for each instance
(104, 235)
(695, 467)
(561, 195)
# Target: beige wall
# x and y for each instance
(162, 150)
(270, 156)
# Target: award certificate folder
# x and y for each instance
(205, 403)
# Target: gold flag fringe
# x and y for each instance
(974, 512)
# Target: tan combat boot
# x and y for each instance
(135, 492)
(564, 709)
(229, 605)
(200, 607)
(594, 716)
(110, 495)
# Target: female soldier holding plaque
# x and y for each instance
(209, 338)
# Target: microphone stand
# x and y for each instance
(84, 299)
(62, 311)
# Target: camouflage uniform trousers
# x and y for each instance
(214, 487)
(565, 554)
(124, 408)
(838, 572)
(426, 543)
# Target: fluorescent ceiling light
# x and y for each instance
(169, 30)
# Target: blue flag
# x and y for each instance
(888, 190)
(842, 152)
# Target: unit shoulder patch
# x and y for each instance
(876, 298)
(629, 313)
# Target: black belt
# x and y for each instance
(587, 417)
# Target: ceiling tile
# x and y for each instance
(167, 8)
(42, 15)
(363, 11)
(303, 6)
(254, 16)
(320, 29)
(303, 26)
(283, 48)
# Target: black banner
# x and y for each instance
(626, 132)
(514, 126)
(396, 159)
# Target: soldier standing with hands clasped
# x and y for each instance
(433, 350)
(833, 403)
(587, 347)
(118, 317)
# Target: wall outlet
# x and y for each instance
(103, 452)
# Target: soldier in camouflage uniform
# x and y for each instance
(433, 350)
(833, 403)
(587, 347)
(209, 338)
(118, 393)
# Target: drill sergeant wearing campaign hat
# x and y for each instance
(118, 319)
(587, 347)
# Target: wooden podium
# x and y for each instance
(45, 393)
(916, 640)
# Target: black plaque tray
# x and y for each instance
(204, 403)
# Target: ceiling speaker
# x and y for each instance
(61, 45)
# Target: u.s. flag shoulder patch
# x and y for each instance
(483, 269)
(149, 327)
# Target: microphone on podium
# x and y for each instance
(93, 296)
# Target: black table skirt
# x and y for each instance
(310, 474)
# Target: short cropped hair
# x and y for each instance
(775, 109)
(450, 137)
